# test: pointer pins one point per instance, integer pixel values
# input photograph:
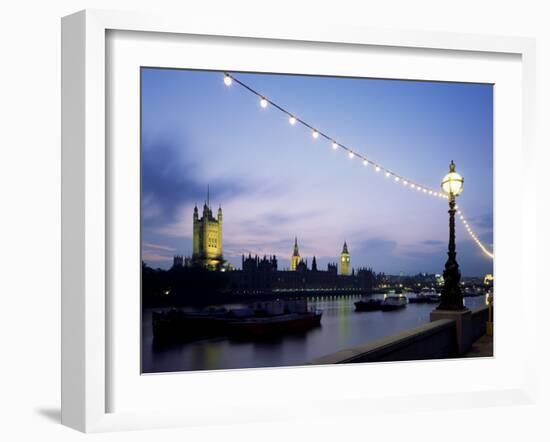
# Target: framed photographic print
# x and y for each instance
(301, 257)
(250, 213)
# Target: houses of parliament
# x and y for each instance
(264, 273)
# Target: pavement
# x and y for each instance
(483, 347)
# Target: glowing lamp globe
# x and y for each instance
(453, 182)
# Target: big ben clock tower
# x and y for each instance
(345, 261)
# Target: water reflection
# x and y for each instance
(341, 327)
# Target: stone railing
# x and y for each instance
(480, 316)
(429, 341)
(434, 340)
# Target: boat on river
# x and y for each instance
(426, 296)
(393, 302)
(268, 326)
(368, 305)
(180, 325)
(471, 292)
(257, 320)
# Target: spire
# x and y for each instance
(296, 251)
(345, 249)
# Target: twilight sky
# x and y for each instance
(275, 182)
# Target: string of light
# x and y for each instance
(471, 232)
(293, 119)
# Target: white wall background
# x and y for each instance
(30, 214)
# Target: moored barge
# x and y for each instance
(258, 320)
(368, 305)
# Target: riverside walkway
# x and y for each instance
(482, 348)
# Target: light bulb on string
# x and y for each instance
(228, 80)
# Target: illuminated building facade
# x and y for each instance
(345, 265)
(208, 238)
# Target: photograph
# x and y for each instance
(297, 220)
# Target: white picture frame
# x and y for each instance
(87, 203)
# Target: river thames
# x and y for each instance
(341, 327)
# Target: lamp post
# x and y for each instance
(451, 295)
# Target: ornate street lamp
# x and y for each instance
(451, 295)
